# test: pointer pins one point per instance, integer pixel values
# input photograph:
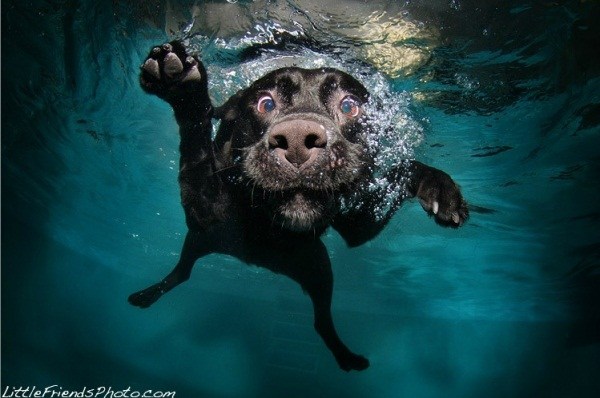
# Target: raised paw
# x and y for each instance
(440, 197)
(171, 74)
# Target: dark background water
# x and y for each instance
(507, 95)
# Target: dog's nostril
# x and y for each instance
(315, 141)
(278, 141)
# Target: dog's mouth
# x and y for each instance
(336, 166)
(302, 210)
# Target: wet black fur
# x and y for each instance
(241, 198)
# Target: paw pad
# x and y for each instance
(172, 65)
(151, 67)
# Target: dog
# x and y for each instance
(289, 160)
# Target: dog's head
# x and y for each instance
(297, 137)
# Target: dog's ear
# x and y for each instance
(229, 111)
(235, 122)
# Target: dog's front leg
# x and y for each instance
(181, 80)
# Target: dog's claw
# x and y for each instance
(440, 196)
(456, 218)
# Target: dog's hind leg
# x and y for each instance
(310, 266)
(181, 273)
(321, 299)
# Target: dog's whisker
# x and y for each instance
(226, 168)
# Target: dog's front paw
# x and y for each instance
(171, 74)
(440, 197)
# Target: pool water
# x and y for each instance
(504, 96)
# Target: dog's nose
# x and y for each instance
(297, 141)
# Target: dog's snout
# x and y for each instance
(297, 142)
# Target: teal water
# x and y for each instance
(504, 96)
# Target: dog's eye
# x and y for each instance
(350, 106)
(265, 104)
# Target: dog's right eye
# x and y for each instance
(265, 104)
(350, 106)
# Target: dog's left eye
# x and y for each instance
(265, 104)
(350, 106)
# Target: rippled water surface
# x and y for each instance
(504, 96)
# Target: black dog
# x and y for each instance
(289, 160)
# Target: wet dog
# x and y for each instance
(289, 160)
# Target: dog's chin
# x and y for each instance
(302, 212)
